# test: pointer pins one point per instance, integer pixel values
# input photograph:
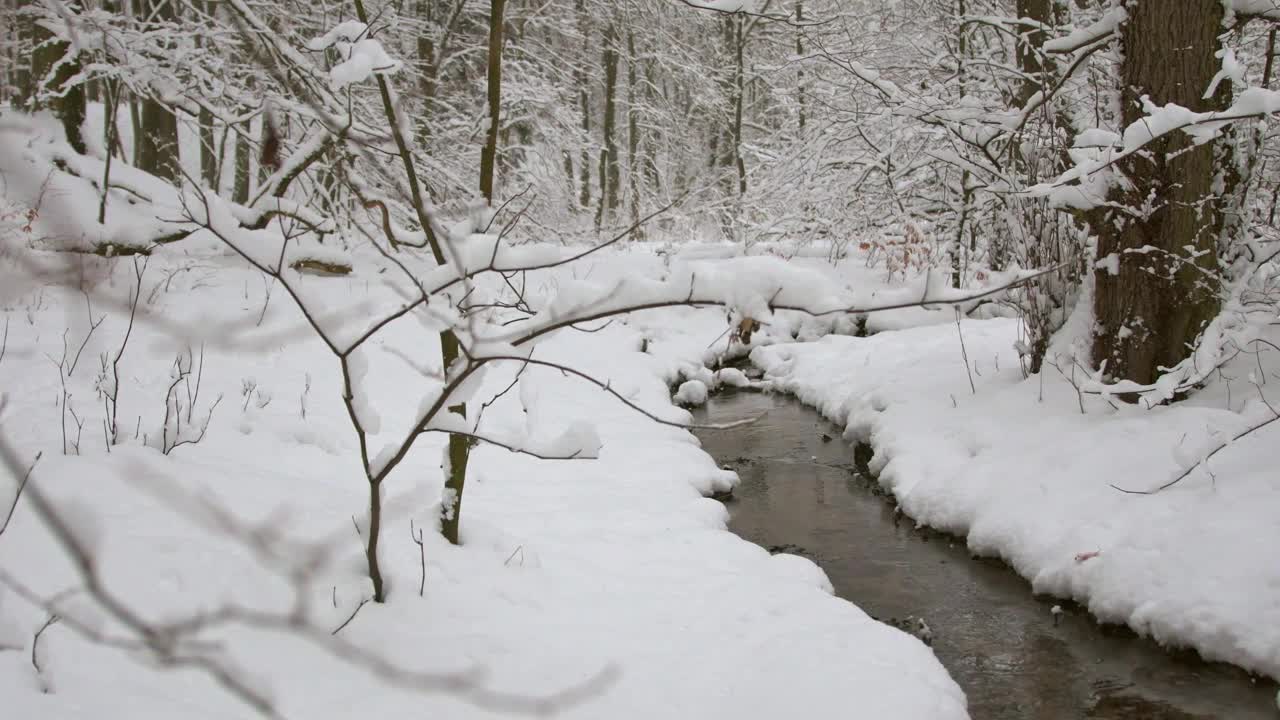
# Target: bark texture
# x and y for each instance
(489, 154)
(1166, 289)
(53, 65)
(158, 143)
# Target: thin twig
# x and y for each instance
(350, 617)
(1187, 473)
(416, 535)
(964, 354)
(35, 652)
(18, 495)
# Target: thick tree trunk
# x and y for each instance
(158, 143)
(1166, 288)
(23, 83)
(51, 69)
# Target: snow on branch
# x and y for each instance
(750, 8)
(1102, 30)
(1104, 150)
(1268, 9)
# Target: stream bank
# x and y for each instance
(1016, 658)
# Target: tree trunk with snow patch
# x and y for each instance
(1156, 284)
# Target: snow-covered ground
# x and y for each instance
(1023, 470)
(618, 569)
(613, 580)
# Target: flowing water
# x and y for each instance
(802, 493)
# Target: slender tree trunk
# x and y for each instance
(647, 146)
(489, 154)
(1030, 60)
(634, 181)
(110, 131)
(208, 150)
(957, 246)
(427, 54)
(135, 125)
(455, 481)
(610, 174)
(584, 107)
(1042, 231)
(240, 188)
(739, 92)
(1165, 288)
(371, 543)
(431, 49)
(208, 145)
(800, 78)
(459, 450)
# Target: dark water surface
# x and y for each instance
(802, 494)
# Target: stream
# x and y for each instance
(801, 493)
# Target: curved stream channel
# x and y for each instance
(802, 494)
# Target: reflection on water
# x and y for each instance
(800, 493)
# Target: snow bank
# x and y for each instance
(1023, 475)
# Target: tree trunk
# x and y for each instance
(610, 174)
(801, 101)
(427, 56)
(240, 188)
(739, 91)
(1030, 60)
(208, 151)
(633, 134)
(957, 246)
(158, 143)
(1042, 234)
(455, 481)
(51, 69)
(489, 154)
(1166, 288)
(371, 542)
(208, 145)
(584, 107)
(650, 161)
(23, 83)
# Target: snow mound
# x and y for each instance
(732, 377)
(692, 392)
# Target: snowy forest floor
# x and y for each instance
(619, 568)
